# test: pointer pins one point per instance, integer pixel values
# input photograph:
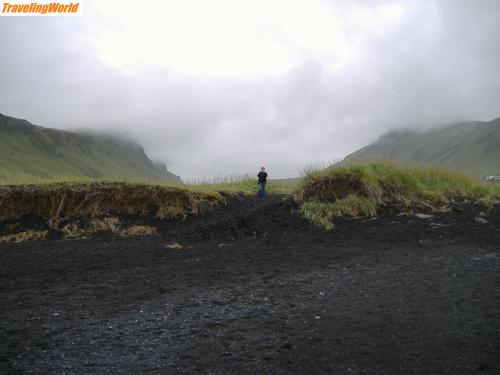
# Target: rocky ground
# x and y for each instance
(251, 288)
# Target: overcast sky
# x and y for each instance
(224, 86)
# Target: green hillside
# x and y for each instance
(30, 151)
(469, 147)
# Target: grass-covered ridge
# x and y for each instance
(361, 190)
(30, 153)
(471, 147)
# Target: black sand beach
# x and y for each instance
(256, 290)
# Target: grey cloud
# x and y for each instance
(440, 63)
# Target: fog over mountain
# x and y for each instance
(223, 87)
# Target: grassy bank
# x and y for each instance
(61, 201)
(362, 190)
(82, 208)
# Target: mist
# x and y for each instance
(276, 84)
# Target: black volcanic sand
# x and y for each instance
(256, 290)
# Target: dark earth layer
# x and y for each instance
(256, 290)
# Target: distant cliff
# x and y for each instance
(29, 150)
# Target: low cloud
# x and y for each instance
(438, 63)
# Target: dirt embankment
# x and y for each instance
(65, 210)
(252, 288)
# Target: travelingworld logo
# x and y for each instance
(42, 8)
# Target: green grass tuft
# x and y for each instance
(354, 205)
(319, 213)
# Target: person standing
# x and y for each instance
(262, 182)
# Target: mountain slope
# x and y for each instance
(30, 150)
(469, 147)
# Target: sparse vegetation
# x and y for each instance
(360, 190)
(107, 224)
(28, 235)
(174, 246)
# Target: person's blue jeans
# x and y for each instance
(262, 190)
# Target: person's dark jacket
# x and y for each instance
(262, 176)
